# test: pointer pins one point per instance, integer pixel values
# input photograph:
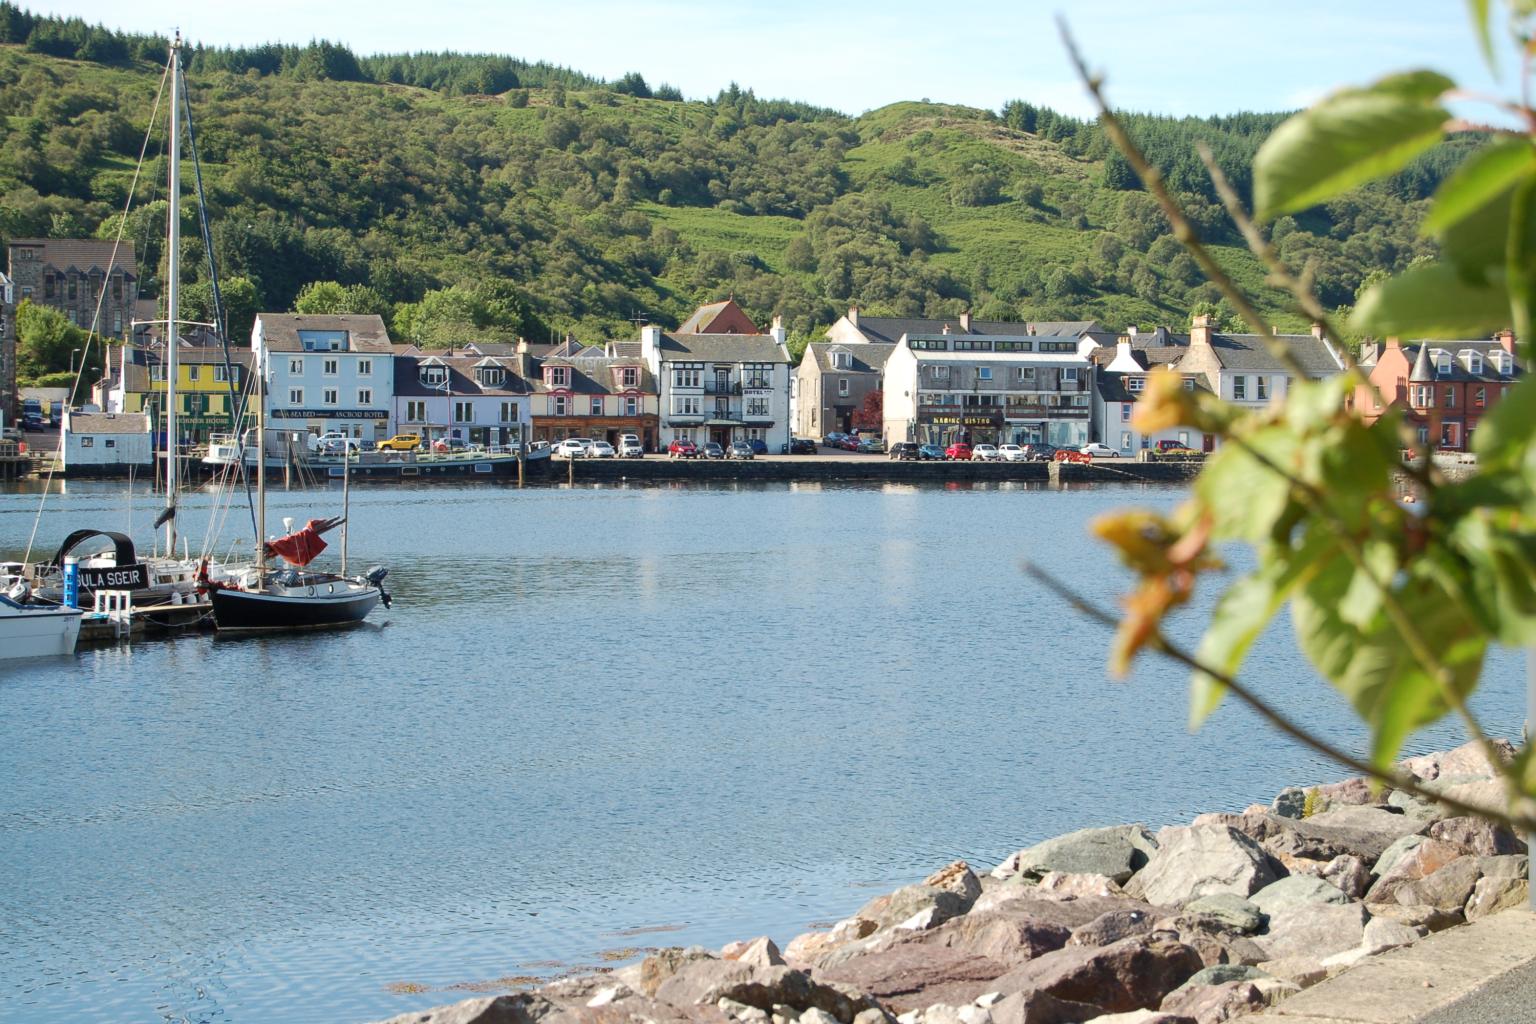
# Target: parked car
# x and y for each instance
(903, 450)
(759, 446)
(834, 440)
(931, 452)
(630, 447)
(849, 443)
(711, 450)
(338, 445)
(875, 445)
(572, 448)
(986, 453)
(802, 446)
(1039, 451)
(330, 441)
(1173, 451)
(401, 443)
(739, 450)
(1071, 455)
(1012, 453)
(959, 450)
(682, 449)
(1099, 450)
(601, 450)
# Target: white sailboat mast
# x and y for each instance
(172, 295)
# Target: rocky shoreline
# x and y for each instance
(1193, 924)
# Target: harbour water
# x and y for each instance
(597, 720)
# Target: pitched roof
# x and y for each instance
(1249, 352)
(705, 316)
(724, 348)
(866, 358)
(81, 253)
(1457, 371)
(889, 329)
(365, 331)
(108, 423)
(463, 381)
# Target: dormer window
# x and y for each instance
(629, 376)
(842, 360)
(1135, 383)
(557, 376)
(1442, 360)
(1472, 360)
(490, 376)
(1504, 362)
(434, 376)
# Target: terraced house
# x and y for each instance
(474, 398)
(595, 391)
(137, 381)
(1444, 388)
(78, 277)
(326, 373)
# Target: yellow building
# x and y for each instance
(136, 382)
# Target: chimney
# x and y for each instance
(853, 315)
(965, 322)
(1317, 329)
(1506, 340)
(1030, 330)
(650, 337)
(778, 332)
(1123, 345)
(1131, 331)
(1200, 331)
(946, 329)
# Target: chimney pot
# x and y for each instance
(1317, 329)
(1131, 330)
(853, 315)
(1506, 340)
(965, 322)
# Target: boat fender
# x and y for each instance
(311, 591)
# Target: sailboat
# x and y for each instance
(31, 630)
(268, 599)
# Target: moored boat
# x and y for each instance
(30, 630)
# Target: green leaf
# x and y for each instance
(1504, 436)
(1236, 622)
(1479, 12)
(1484, 177)
(1236, 470)
(1500, 585)
(1348, 139)
(1432, 301)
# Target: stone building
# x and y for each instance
(76, 276)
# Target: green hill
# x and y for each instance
(560, 203)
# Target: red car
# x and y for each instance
(682, 449)
(1071, 455)
(849, 444)
(960, 450)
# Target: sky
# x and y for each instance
(1173, 57)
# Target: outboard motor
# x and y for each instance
(21, 592)
(376, 577)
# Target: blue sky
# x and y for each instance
(1174, 57)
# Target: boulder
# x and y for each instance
(812, 946)
(1477, 835)
(1382, 821)
(1428, 918)
(769, 989)
(1228, 908)
(1213, 1004)
(1291, 802)
(1395, 852)
(664, 963)
(1220, 974)
(1214, 941)
(1423, 860)
(1447, 889)
(1069, 886)
(1494, 894)
(947, 893)
(1038, 1008)
(1416, 806)
(1132, 974)
(1202, 859)
(1313, 929)
(1112, 927)
(1304, 971)
(1354, 792)
(521, 1008)
(1516, 866)
(1009, 937)
(1142, 1017)
(1484, 794)
(1382, 934)
(957, 878)
(1472, 759)
(1348, 874)
(1319, 838)
(1116, 853)
(1294, 891)
(911, 975)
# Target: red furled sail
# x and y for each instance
(302, 546)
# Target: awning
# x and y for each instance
(724, 423)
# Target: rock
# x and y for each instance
(874, 1015)
(957, 878)
(760, 952)
(1517, 866)
(1213, 1004)
(1428, 918)
(707, 981)
(1494, 894)
(1116, 853)
(1228, 908)
(1132, 974)
(1477, 835)
(1112, 927)
(1348, 874)
(1220, 974)
(1367, 818)
(1304, 971)
(1313, 929)
(521, 1008)
(1038, 1008)
(742, 1012)
(1485, 794)
(1142, 1017)
(813, 946)
(910, 975)
(1423, 860)
(907, 902)
(1313, 839)
(1009, 937)
(1471, 759)
(1354, 792)
(1291, 802)
(1392, 854)
(767, 988)
(1062, 885)
(1416, 806)
(1382, 934)
(1214, 941)
(1447, 889)
(817, 1016)
(1293, 891)
(664, 963)
(1199, 860)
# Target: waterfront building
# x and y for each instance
(10, 405)
(1120, 381)
(135, 381)
(105, 443)
(832, 384)
(721, 387)
(78, 277)
(1443, 388)
(596, 391)
(856, 328)
(942, 388)
(326, 373)
(473, 398)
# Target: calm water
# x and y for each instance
(596, 720)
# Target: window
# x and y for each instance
(220, 374)
(1423, 396)
(687, 375)
(74, 288)
(48, 288)
(1479, 397)
(1450, 435)
(1240, 388)
(939, 372)
(557, 376)
(597, 405)
(1261, 388)
(509, 412)
(561, 407)
(1442, 360)
(194, 373)
(1125, 412)
(117, 323)
(631, 406)
(983, 373)
(296, 366)
(1069, 375)
(842, 387)
(1450, 397)
(971, 345)
(1134, 384)
(463, 412)
(1474, 361)
(757, 407)
(117, 290)
(757, 375)
(157, 371)
(1013, 346)
(365, 396)
(629, 377)
(110, 443)
(1024, 373)
(295, 396)
(415, 412)
(331, 396)
(1125, 440)
(842, 360)
(489, 376)
(1423, 434)
(687, 405)
(1189, 383)
(87, 442)
(928, 344)
(434, 376)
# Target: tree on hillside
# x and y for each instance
(46, 342)
(329, 297)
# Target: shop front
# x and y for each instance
(945, 425)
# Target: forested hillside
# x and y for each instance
(487, 196)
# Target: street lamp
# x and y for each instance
(72, 359)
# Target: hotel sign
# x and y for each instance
(348, 414)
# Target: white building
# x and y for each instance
(474, 398)
(105, 444)
(943, 388)
(721, 387)
(326, 373)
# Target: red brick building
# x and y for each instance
(1444, 388)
